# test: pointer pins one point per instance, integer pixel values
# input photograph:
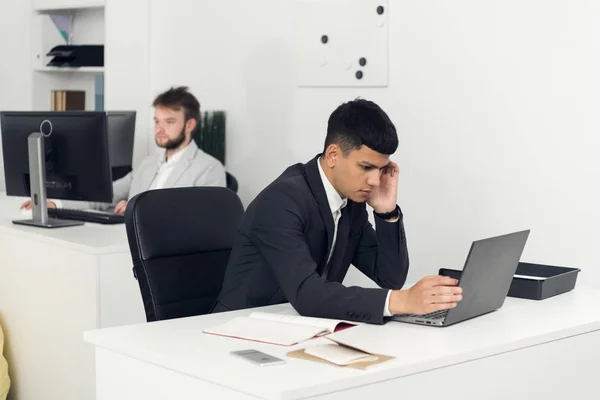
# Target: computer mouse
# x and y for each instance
(25, 213)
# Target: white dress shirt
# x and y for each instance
(166, 166)
(336, 203)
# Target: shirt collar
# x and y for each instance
(336, 203)
(175, 157)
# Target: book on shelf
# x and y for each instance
(67, 100)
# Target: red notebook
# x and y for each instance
(280, 329)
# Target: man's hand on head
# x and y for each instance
(383, 198)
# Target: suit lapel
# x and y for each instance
(181, 166)
(177, 172)
(147, 176)
(316, 186)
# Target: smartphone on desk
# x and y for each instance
(258, 357)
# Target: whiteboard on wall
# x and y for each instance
(341, 42)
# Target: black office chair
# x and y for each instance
(232, 183)
(180, 240)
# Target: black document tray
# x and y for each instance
(558, 280)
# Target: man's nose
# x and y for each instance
(374, 178)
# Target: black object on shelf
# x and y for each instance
(77, 56)
(545, 280)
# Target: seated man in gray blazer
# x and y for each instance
(302, 232)
(176, 114)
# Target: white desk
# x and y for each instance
(550, 348)
(54, 285)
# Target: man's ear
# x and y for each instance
(332, 153)
(190, 125)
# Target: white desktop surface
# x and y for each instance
(180, 346)
(88, 238)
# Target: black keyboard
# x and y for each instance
(86, 216)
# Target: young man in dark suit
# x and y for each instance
(302, 232)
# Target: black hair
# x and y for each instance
(361, 122)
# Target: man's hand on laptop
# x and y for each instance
(430, 294)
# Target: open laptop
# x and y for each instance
(485, 280)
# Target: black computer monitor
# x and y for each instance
(121, 133)
(73, 147)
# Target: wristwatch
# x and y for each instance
(388, 215)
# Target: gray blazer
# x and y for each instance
(196, 168)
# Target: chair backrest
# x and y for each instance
(232, 183)
(180, 240)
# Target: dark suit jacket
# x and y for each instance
(281, 252)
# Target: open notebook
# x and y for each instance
(281, 329)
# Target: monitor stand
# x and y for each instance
(37, 182)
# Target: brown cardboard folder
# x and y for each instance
(300, 354)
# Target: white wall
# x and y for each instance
(15, 68)
(494, 102)
(126, 56)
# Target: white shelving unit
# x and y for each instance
(123, 27)
(88, 27)
(45, 6)
(82, 70)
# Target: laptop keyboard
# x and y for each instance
(433, 315)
